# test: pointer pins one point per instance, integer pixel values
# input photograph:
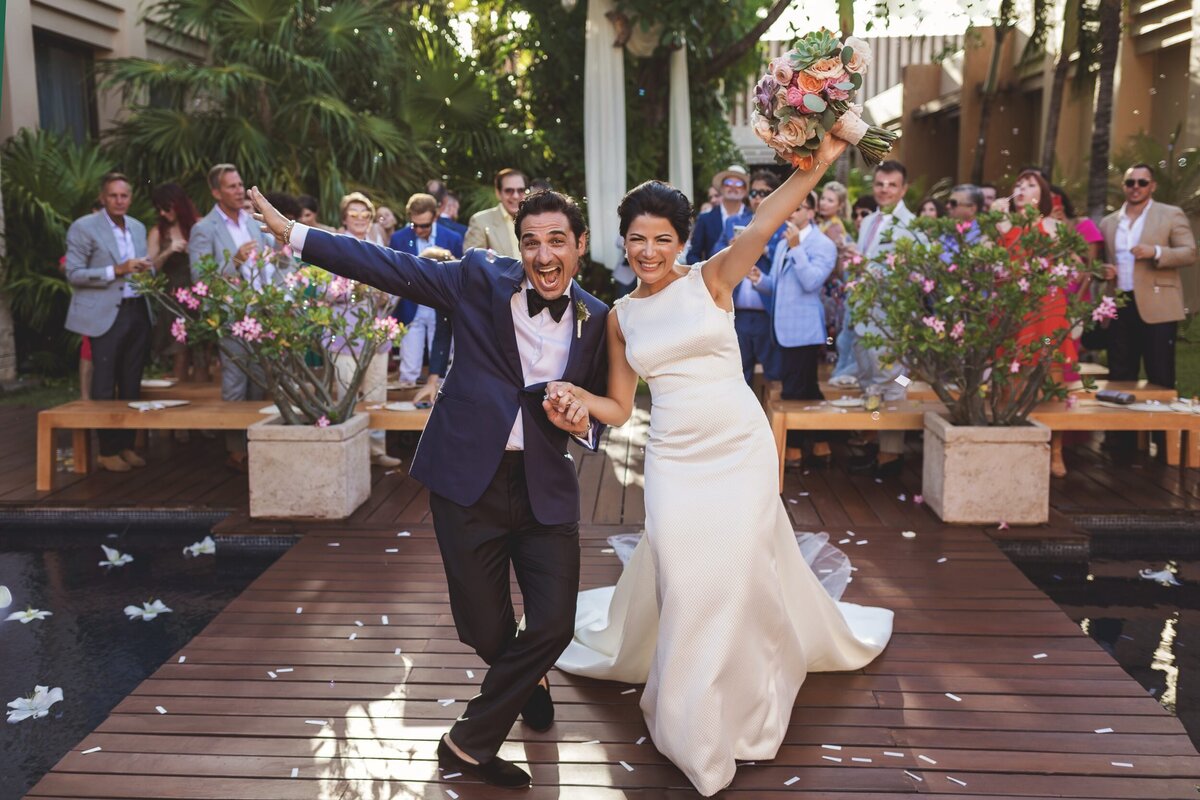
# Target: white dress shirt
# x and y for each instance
(256, 274)
(543, 344)
(1128, 236)
(124, 252)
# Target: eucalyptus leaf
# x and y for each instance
(828, 118)
(847, 54)
(845, 86)
(856, 79)
(814, 103)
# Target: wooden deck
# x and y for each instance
(359, 717)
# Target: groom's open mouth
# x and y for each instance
(549, 278)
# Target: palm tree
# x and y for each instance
(307, 96)
(1110, 40)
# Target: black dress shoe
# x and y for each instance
(864, 465)
(496, 772)
(538, 712)
(889, 469)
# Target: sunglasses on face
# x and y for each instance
(739, 183)
(756, 193)
(359, 214)
(513, 190)
(1131, 182)
(421, 226)
(862, 213)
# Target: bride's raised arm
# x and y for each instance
(724, 271)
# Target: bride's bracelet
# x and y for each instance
(287, 233)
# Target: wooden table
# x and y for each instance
(83, 416)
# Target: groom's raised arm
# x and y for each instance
(438, 284)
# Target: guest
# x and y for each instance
(442, 353)
(287, 204)
(713, 196)
(803, 261)
(931, 207)
(442, 195)
(493, 228)
(310, 211)
(541, 185)
(989, 194)
(420, 234)
(751, 320)
(166, 247)
(845, 371)
(103, 250)
(235, 241)
(965, 203)
(1049, 323)
(875, 375)
(1146, 244)
(358, 215)
(706, 234)
(1063, 210)
(385, 223)
(832, 210)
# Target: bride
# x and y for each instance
(717, 610)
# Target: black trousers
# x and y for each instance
(118, 358)
(478, 544)
(799, 378)
(1133, 342)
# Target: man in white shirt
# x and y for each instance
(1146, 244)
(103, 250)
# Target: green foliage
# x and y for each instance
(957, 308)
(1177, 171)
(290, 331)
(310, 97)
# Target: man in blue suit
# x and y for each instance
(445, 200)
(751, 318)
(503, 488)
(421, 233)
(732, 184)
(803, 261)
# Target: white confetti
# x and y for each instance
(626, 766)
(471, 674)
(353, 636)
(404, 533)
(333, 544)
(893, 754)
(272, 674)
(832, 758)
(843, 541)
(281, 670)
(927, 759)
(384, 619)
(90, 751)
(956, 780)
(862, 541)
(803, 494)
(299, 609)
(1039, 655)
(903, 380)
(1125, 764)
(1104, 730)
(831, 746)
(358, 623)
(902, 498)
(860, 759)
(446, 702)
(452, 775)
(182, 659)
(954, 697)
(397, 652)
(942, 560)
(791, 780)
(641, 740)
(295, 772)
(593, 741)
(453, 795)
(914, 776)
(160, 709)
(392, 550)
(608, 551)
(909, 534)
(629, 691)
(315, 722)
(793, 502)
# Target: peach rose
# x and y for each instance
(781, 70)
(762, 127)
(861, 60)
(808, 84)
(800, 162)
(792, 132)
(826, 68)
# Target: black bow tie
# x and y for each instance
(557, 306)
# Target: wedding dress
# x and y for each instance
(717, 610)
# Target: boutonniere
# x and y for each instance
(581, 316)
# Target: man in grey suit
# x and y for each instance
(231, 236)
(103, 249)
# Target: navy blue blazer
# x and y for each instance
(468, 430)
(453, 225)
(405, 240)
(705, 235)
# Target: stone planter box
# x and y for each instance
(985, 475)
(306, 472)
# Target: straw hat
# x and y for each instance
(734, 171)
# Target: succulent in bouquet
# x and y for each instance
(808, 93)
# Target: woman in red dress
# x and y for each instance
(1050, 321)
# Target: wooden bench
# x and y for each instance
(909, 415)
(83, 416)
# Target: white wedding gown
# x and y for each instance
(716, 611)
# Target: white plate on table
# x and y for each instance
(1149, 405)
(157, 383)
(847, 402)
(401, 406)
(1184, 407)
(156, 405)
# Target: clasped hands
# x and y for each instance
(133, 265)
(564, 408)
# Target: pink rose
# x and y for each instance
(832, 92)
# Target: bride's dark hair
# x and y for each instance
(657, 199)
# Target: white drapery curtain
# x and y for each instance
(680, 153)
(603, 131)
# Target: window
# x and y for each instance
(66, 91)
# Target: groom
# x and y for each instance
(503, 488)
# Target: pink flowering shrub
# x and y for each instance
(283, 323)
(950, 304)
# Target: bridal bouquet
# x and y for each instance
(807, 95)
